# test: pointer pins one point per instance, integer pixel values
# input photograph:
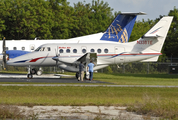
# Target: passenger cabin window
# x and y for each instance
(23, 48)
(84, 51)
(92, 50)
(68, 51)
(14, 48)
(106, 50)
(61, 51)
(74, 50)
(99, 50)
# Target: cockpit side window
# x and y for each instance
(48, 48)
(42, 49)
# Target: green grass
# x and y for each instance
(81, 95)
(160, 102)
(138, 79)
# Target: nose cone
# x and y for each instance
(55, 58)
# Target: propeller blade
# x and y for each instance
(56, 57)
(4, 53)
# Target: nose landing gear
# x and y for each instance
(33, 71)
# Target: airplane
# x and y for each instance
(118, 31)
(67, 56)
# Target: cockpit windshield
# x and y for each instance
(38, 49)
(43, 49)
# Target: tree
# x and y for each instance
(140, 28)
(63, 19)
(171, 43)
(91, 18)
(27, 19)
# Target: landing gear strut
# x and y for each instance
(30, 73)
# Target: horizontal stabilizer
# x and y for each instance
(151, 36)
(131, 13)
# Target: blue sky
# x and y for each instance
(153, 8)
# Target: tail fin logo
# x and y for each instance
(120, 29)
(124, 36)
(113, 33)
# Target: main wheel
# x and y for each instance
(33, 71)
(77, 75)
(29, 76)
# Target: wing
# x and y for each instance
(84, 58)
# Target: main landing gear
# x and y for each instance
(33, 71)
(77, 75)
(86, 75)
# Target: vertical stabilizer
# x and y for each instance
(155, 37)
(121, 28)
(152, 42)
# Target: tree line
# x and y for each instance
(56, 19)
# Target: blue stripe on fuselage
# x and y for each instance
(15, 53)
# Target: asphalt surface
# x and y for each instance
(48, 78)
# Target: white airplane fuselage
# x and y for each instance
(111, 53)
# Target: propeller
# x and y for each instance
(4, 53)
(56, 58)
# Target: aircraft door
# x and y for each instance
(119, 58)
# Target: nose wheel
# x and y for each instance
(30, 72)
(33, 71)
(29, 76)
